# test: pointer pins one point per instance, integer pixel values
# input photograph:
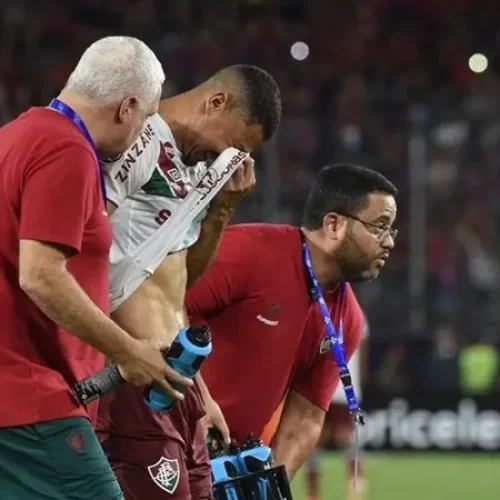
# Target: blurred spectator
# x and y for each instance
(391, 376)
(442, 371)
(479, 363)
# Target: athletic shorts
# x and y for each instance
(156, 455)
(55, 460)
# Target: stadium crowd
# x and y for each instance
(351, 93)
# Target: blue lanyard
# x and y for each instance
(335, 336)
(70, 113)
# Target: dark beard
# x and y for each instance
(354, 265)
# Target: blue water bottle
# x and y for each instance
(186, 355)
(255, 456)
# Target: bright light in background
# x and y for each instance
(299, 51)
(478, 63)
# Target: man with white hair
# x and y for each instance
(55, 239)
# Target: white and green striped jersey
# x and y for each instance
(147, 184)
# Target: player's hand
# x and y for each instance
(146, 366)
(238, 185)
(214, 418)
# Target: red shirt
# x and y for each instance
(267, 332)
(49, 191)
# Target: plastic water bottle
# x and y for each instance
(186, 355)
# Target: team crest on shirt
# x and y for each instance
(169, 149)
(76, 441)
(178, 181)
(274, 308)
(166, 474)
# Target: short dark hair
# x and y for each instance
(260, 94)
(343, 188)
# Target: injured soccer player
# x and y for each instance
(165, 235)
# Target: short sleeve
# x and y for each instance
(58, 194)
(126, 175)
(228, 278)
(319, 381)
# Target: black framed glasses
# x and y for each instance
(380, 231)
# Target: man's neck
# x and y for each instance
(91, 116)
(324, 265)
(177, 112)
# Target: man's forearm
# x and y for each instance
(293, 448)
(61, 298)
(298, 433)
(201, 254)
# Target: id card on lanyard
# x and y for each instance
(336, 337)
(70, 113)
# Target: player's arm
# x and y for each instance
(310, 396)
(213, 418)
(57, 198)
(201, 254)
(44, 277)
(58, 195)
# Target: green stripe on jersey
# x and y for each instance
(158, 185)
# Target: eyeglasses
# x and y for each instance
(380, 231)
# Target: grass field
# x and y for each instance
(415, 477)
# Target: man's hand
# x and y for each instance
(201, 254)
(213, 414)
(240, 183)
(215, 418)
(146, 366)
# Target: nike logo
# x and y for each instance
(266, 321)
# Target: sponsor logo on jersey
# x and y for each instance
(266, 321)
(272, 310)
(168, 179)
(130, 159)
